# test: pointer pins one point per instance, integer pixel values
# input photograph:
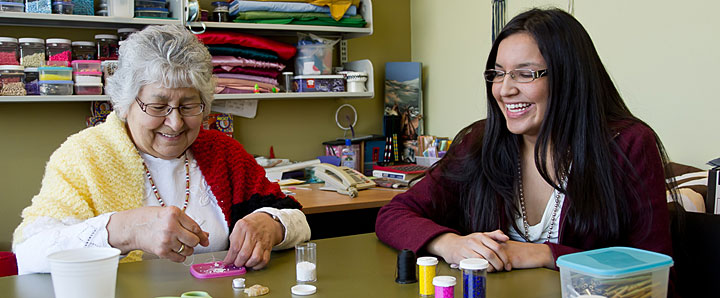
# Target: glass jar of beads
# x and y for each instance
(32, 79)
(474, 272)
(12, 78)
(32, 51)
(9, 51)
(107, 46)
(221, 11)
(124, 33)
(84, 50)
(58, 51)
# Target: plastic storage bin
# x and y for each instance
(87, 66)
(320, 83)
(60, 7)
(32, 51)
(605, 271)
(108, 68)
(56, 87)
(32, 79)
(107, 46)
(155, 13)
(9, 51)
(84, 50)
(150, 4)
(314, 59)
(12, 79)
(38, 6)
(88, 89)
(87, 77)
(58, 51)
(55, 73)
(84, 7)
(12, 7)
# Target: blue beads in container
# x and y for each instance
(84, 7)
(38, 6)
(474, 271)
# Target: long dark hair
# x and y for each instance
(583, 116)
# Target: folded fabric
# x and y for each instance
(256, 79)
(284, 50)
(354, 21)
(261, 72)
(240, 61)
(337, 8)
(264, 15)
(225, 85)
(237, 51)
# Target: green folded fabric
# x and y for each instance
(295, 18)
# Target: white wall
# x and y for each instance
(664, 56)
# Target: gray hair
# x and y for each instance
(169, 55)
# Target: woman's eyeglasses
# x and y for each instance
(518, 75)
(162, 110)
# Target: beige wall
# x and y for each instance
(662, 55)
(30, 132)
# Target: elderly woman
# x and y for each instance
(151, 179)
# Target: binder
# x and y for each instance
(712, 201)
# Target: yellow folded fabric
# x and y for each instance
(337, 7)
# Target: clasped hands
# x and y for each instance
(495, 247)
(170, 233)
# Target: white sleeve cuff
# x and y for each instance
(296, 226)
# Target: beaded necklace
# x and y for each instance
(526, 225)
(187, 185)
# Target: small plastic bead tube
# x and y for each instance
(474, 271)
(444, 286)
(427, 267)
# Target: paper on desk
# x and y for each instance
(239, 107)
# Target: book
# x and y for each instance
(402, 177)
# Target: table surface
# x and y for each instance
(315, 200)
(351, 266)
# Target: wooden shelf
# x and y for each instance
(77, 21)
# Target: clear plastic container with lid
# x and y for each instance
(11, 6)
(55, 73)
(14, 1)
(150, 3)
(38, 6)
(153, 13)
(60, 7)
(87, 66)
(474, 272)
(32, 79)
(84, 50)
(444, 286)
(32, 51)
(58, 51)
(56, 87)
(221, 11)
(9, 51)
(88, 89)
(107, 46)
(12, 79)
(124, 33)
(427, 268)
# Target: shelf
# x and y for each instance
(293, 95)
(54, 98)
(77, 21)
(291, 30)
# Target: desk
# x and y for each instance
(351, 266)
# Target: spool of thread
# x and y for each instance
(406, 267)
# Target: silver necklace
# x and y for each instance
(526, 233)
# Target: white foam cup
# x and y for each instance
(84, 272)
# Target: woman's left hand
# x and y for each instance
(252, 239)
(528, 255)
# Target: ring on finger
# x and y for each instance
(182, 247)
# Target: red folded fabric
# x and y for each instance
(284, 51)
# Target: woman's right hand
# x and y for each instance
(455, 248)
(162, 231)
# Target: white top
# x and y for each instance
(106, 36)
(444, 281)
(83, 43)
(474, 264)
(8, 39)
(539, 233)
(57, 40)
(31, 40)
(46, 235)
(126, 30)
(427, 261)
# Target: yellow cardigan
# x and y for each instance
(95, 171)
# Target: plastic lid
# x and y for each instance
(303, 77)
(238, 283)
(614, 261)
(88, 73)
(31, 39)
(83, 43)
(65, 68)
(106, 36)
(31, 69)
(287, 73)
(303, 290)
(12, 4)
(63, 3)
(348, 142)
(427, 261)
(8, 39)
(12, 67)
(443, 281)
(89, 84)
(55, 82)
(474, 264)
(127, 30)
(220, 3)
(57, 40)
(86, 61)
(151, 9)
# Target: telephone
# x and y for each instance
(344, 180)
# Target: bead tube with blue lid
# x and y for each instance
(474, 271)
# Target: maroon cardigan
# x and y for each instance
(409, 220)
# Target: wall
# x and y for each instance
(662, 56)
(30, 132)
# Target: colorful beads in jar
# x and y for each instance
(474, 271)
(58, 51)
(9, 51)
(61, 7)
(427, 266)
(38, 6)
(12, 78)
(32, 51)
(444, 286)
(221, 11)
(32, 79)
(124, 33)
(83, 50)
(84, 7)
(107, 46)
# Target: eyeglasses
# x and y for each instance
(518, 75)
(162, 110)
